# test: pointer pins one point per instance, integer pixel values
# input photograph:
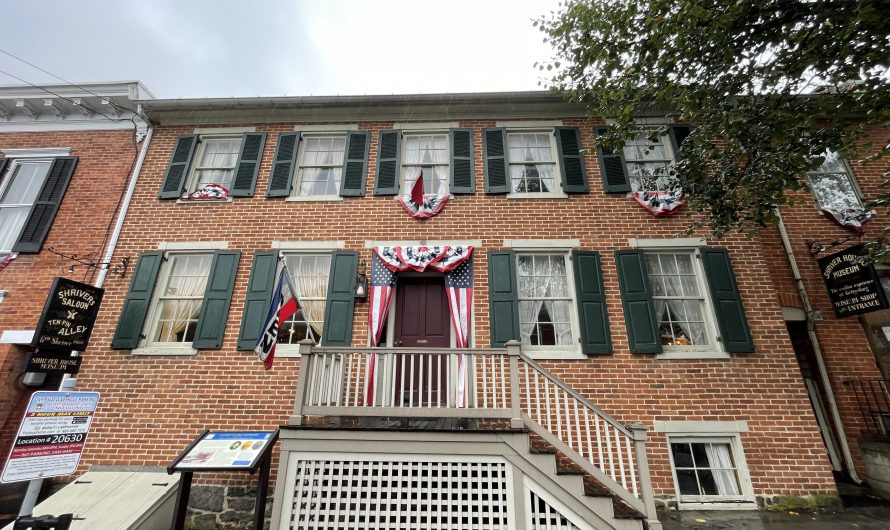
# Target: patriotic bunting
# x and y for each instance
(852, 219)
(420, 205)
(660, 203)
(210, 191)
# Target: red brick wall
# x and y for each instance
(80, 228)
(152, 406)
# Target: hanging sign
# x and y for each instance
(51, 436)
(53, 362)
(68, 316)
(854, 288)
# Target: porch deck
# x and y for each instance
(376, 423)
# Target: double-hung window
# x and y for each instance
(179, 295)
(681, 300)
(18, 192)
(320, 165)
(648, 157)
(546, 305)
(532, 162)
(425, 152)
(833, 185)
(681, 304)
(309, 276)
(178, 300)
(215, 161)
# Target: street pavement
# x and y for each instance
(863, 517)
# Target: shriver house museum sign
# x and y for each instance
(853, 286)
(68, 316)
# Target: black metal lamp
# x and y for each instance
(361, 282)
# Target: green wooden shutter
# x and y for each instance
(571, 163)
(217, 298)
(248, 165)
(341, 299)
(592, 313)
(495, 161)
(259, 296)
(178, 168)
(389, 146)
(463, 174)
(42, 214)
(358, 145)
(503, 300)
(142, 286)
(613, 169)
(281, 178)
(636, 299)
(728, 308)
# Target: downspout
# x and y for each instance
(817, 350)
(68, 383)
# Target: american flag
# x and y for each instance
(459, 286)
(383, 281)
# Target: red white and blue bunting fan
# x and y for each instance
(421, 205)
(853, 219)
(210, 191)
(457, 264)
(660, 203)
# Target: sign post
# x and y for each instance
(854, 287)
(225, 451)
(51, 437)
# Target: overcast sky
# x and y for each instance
(219, 48)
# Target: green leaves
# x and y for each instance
(769, 84)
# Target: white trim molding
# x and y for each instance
(709, 428)
(37, 152)
(223, 130)
(326, 127)
(476, 243)
(308, 245)
(435, 126)
(542, 244)
(528, 124)
(193, 245)
(677, 242)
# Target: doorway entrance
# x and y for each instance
(422, 321)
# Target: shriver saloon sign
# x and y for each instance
(854, 287)
(68, 316)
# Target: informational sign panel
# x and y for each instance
(854, 288)
(68, 316)
(53, 362)
(52, 435)
(225, 450)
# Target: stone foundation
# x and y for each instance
(773, 503)
(223, 507)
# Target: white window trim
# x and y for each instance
(224, 131)
(433, 129)
(5, 181)
(192, 177)
(475, 243)
(177, 247)
(37, 152)
(564, 245)
(529, 124)
(301, 247)
(714, 351)
(854, 183)
(679, 243)
(317, 131)
(430, 126)
(712, 431)
(557, 193)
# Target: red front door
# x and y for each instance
(422, 321)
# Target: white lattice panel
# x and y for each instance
(330, 494)
(546, 517)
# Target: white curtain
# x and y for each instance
(188, 279)
(311, 281)
(528, 316)
(425, 151)
(719, 457)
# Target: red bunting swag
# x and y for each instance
(421, 205)
(210, 191)
(853, 219)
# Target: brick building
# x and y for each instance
(67, 154)
(617, 319)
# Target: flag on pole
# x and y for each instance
(284, 305)
(417, 190)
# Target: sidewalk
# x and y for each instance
(869, 518)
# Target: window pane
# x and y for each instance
(181, 296)
(687, 482)
(545, 307)
(834, 191)
(678, 300)
(11, 222)
(423, 149)
(321, 162)
(682, 455)
(26, 180)
(309, 273)
(435, 178)
(706, 482)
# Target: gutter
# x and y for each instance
(820, 361)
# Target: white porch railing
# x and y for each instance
(495, 383)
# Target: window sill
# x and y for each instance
(203, 201)
(541, 195)
(555, 355)
(285, 351)
(165, 350)
(746, 504)
(692, 356)
(314, 198)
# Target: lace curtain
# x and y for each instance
(719, 457)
